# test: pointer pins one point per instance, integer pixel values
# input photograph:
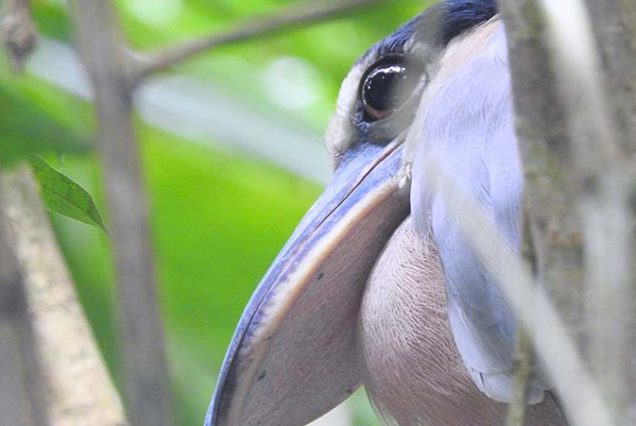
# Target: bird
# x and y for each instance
(378, 284)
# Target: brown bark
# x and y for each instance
(615, 31)
(523, 369)
(546, 151)
(575, 130)
(612, 303)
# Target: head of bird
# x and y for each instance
(376, 276)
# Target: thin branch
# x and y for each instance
(22, 401)
(71, 361)
(145, 370)
(295, 16)
(523, 369)
(612, 302)
(17, 32)
(554, 344)
(543, 138)
(523, 345)
(615, 30)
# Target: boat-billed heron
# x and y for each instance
(378, 285)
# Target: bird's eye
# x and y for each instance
(386, 86)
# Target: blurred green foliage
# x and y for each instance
(27, 128)
(218, 218)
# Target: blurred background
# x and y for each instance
(232, 154)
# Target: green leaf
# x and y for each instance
(63, 195)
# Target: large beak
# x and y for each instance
(293, 356)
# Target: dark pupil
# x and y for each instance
(384, 89)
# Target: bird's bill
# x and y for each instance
(293, 356)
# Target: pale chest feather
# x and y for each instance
(411, 368)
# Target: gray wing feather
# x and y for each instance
(468, 127)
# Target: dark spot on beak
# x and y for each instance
(261, 377)
(320, 275)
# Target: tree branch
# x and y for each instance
(523, 345)
(17, 31)
(78, 387)
(579, 181)
(612, 300)
(22, 401)
(531, 304)
(523, 369)
(295, 16)
(615, 30)
(145, 370)
(544, 144)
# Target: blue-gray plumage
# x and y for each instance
(378, 285)
(476, 144)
